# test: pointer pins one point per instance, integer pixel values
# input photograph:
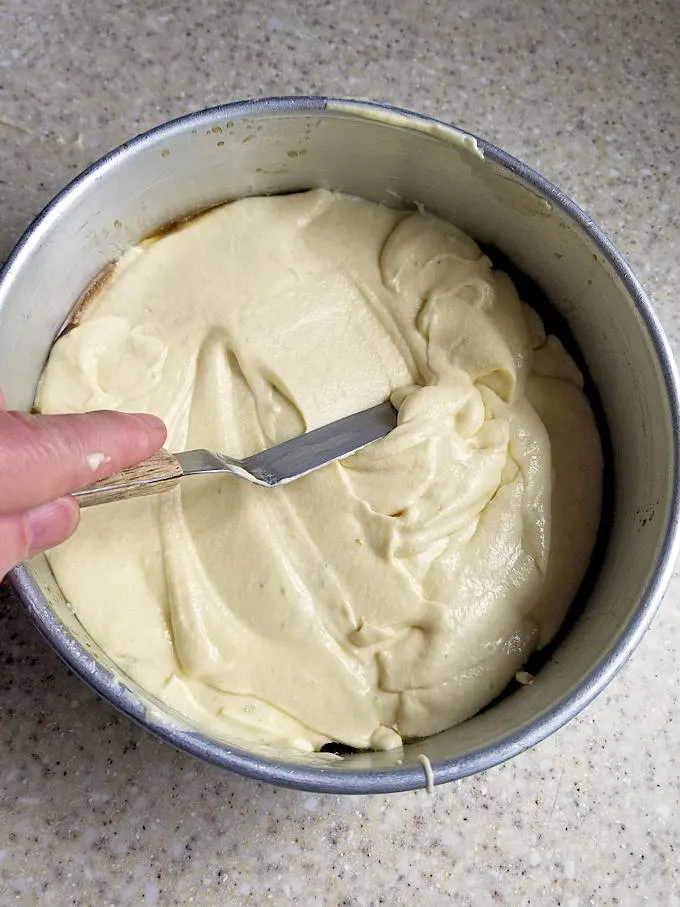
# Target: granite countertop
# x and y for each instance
(93, 811)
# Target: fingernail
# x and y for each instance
(152, 422)
(50, 524)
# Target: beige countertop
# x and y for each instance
(93, 811)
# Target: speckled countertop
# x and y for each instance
(93, 811)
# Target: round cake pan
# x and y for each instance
(402, 159)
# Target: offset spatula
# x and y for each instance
(270, 468)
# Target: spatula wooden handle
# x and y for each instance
(161, 472)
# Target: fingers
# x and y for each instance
(43, 458)
(22, 535)
(47, 457)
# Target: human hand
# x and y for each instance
(44, 458)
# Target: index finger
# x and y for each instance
(45, 457)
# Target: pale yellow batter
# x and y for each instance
(388, 596)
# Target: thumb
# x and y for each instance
(45, 457)
(22, 535)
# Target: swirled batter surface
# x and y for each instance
(391, 595)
